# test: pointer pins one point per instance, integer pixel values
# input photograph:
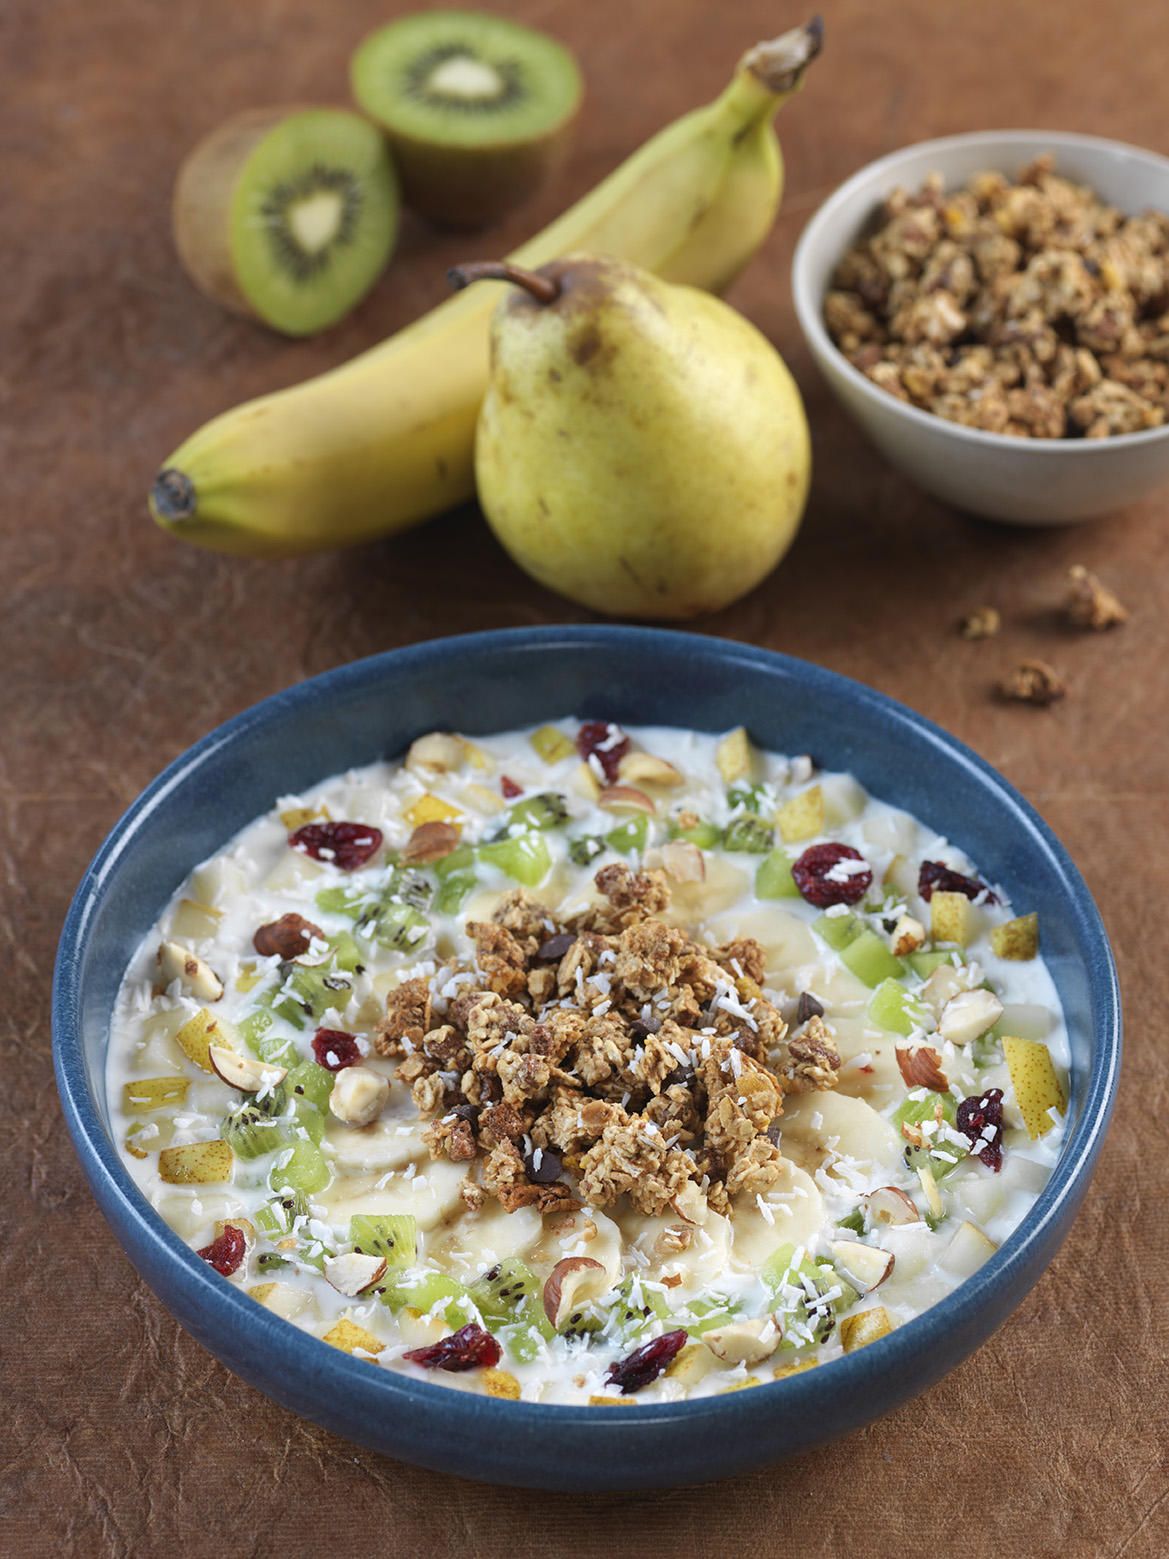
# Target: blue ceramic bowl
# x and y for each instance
(493, 681)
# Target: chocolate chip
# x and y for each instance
(641, 1029)
(774, 1131)
(808, 1007)
(549, 1168)
(554, 949)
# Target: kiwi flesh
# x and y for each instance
(477, 109)
(288, 215)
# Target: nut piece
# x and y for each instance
(744, 1342)
(625, 798)
(196, 978)
(908, 935)
(642, 768)
(890, 1205)
(865, 1266)
(969, 1014)
(1034, 682)
(856, 1331)
(983, 623)
(359, 1095)
(690, 1204)
(1090, 604)
(921, 1067)
(429, 842)
(439, 752)
(354, 1272)
(288, 937)
(679, 859)
(247, 1073)
(570, 1283)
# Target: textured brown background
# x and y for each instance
(119, 1435)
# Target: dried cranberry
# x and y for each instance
(819, 875)
(509, 788)
(646, 1363)
(347, 845)
(980, 1118)
(463, 1350)
(937, 877)
(607, 743)
(546, 1169)
(287, 937)
(335, 1050)
(227, 1252)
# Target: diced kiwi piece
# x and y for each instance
(287, 215)
(838, 930)
(307, 1080)
(748, 835)
(705, 835)
(708, 1311)
(802, 816)
(153, 1093)
(774, 878)
(271, 1261)
(409, 887)
(278, 1215)
(308, 991)
(421, 1291)
(251, 1130)
(923, 964)
(751, 798)
(1018, 939)
(476, 108)
(196, 1163)
(354, 902)
(546, 810)
(942, 1153)
(584, 849)
(633, 1305)
(392, 1235)
(951, 918)
(263, 1038)
(452, 891)
(524, 858)
(801, 1290)
(456, 863)
(629, 836)
(894, 1008)
(854, 1221)
(344, 953)
(552, 745)
(509, 1295)
(400, 926)
(305, 1168)
(869, 958)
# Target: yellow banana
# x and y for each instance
(388, 439)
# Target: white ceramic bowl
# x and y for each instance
(1023, 481)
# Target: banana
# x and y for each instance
(387, 440)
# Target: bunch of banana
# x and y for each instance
(388, 439)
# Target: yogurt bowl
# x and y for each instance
(494, 682)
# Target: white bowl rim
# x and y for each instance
(811, 315)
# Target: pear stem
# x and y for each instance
(543, 288)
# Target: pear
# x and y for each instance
(642, 449)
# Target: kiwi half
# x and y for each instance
(476, 108)
(288, 215)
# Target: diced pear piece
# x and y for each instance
(802, 816)
(844, 799)
(969, 1014)
(967, 1251)
(865, 1266)
(693, 1363)
(552, 745)
(857, 1331)
(196, 1163)
(500, 1383)
(734, 756)
(1018, 939)
(585, 783)
(153, 1093)
(1038, 1089)
(293, 818)
(1025, 1019)
(350, 1337)
(951, 919)
(146, 1137)
(430, 809)
(483, 800)
(200, 1032)
(283, 1299)
(196, 977)
(782, 1371)
(929, 1186)
(194, 920)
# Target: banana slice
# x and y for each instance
(431, 1196)
(380, 1146)
(786, 940)
(797, 1211)
(814, 1123)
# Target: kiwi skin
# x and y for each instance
(198, 217)
(467, 188)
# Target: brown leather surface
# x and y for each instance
(120, 647)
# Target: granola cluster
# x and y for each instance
(1031, 309)
(609, 1048)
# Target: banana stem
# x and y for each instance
(780, 63)
(543, 288)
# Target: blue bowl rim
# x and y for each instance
(283, 1346)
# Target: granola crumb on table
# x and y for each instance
(653, 1066)
(1090, 604)
(1034, 682)
(1031, 309)
(983, 623)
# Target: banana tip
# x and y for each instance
(173, 496)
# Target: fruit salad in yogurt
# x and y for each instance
(586, 1064)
